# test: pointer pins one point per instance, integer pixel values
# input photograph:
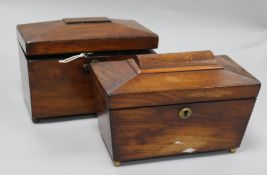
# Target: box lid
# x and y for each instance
(165, 79)
(72, 35)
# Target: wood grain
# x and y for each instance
(181, 59)
(101, 100)
(126, 86)
(141, 110)
(142, 133)
(86, 20)
(52, 89)
(57, 37)
(25, 79)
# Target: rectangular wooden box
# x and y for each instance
(54, 89)
(169, 104)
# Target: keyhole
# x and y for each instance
(185, 113)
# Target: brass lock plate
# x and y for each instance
(185, 113)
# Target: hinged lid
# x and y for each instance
(72, 35)
(164, 79)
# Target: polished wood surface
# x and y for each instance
(142, 133)
(52, 89)
(174, 62)
(86, 20)
(126, 86)
(25, 79)
(101, 100)
(183, 59)
(139, 111)
(84, 35)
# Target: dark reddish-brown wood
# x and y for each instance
(86, 20)
(158, 131)
(139, 101)
(74, 35)
(53, 89)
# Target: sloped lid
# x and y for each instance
(164, 79)
(72, 35)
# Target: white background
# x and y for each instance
(237, 28)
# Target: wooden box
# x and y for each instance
(169, 104)
(55, 89)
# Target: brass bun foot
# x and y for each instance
(233, 150)
(117, 163)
